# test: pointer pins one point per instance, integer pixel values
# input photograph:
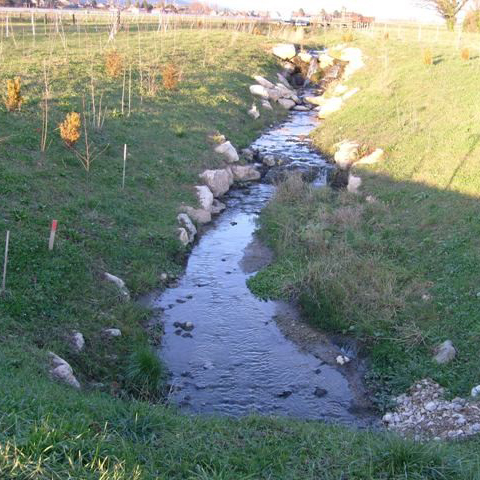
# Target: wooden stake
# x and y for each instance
(124, 164)
(4, 278)
(52, 235)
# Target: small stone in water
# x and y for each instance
(284, 394)
(178, 332)
(180, 300)
(318, 370)
(343, 360)
(187, 335)
(320, 392)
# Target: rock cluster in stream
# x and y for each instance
(299, 70)
(424, 413)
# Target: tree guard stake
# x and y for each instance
(4, 278)
(52, 235)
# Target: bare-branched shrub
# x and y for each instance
(386, 36)
(70, 128)
(170, 76)
(465, 54)
(113, 63)
(427, 57)
(347, 37)
(14, 97)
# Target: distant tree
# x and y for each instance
(336, 14)
(137, 3)
(472, 18)
(301, 12)
(447, 9)
(128, 3)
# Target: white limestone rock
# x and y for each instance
(77, 341)
(346, 154)
(119, 283)
(245, 173)
(254, 113)
(61, 370)
(259, 91)
(286, 103)
(187, 224)
(445, 352)
(205, 197)
(263, 81)
(354, 183)
(218, 181)
(373, 158)
(229, 151)
(285, 51)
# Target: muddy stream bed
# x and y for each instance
(245, 355)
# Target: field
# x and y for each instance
(49, 431)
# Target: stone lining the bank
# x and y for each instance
(294, 75)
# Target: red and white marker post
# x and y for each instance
(53, 230)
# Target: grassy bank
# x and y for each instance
(402, 272)
(128, 232)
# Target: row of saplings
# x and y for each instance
(70, 128)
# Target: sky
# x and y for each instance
(391, 9)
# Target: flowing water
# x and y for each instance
(245, 355)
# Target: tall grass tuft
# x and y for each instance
(348, 37)
(396, 457)
(113, 63)
(70, 128)
(14, 99)
(427, 57)
(145, 374)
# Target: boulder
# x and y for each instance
(218, 207)
(259, 91)
(330, 106)
(318, 101)
(354, 183)
(205, 197)
(325, 61)
(185, 222)
(245, 173)
(248, 153)
(305, 57)
(266, 105)
(354, 57)
(285, 51)
(269, 160)
(274, 94)
(263, 81)
(346, 154)
(283, 80)
(183, 236)
(373, 158)
(342, 359)
(445, 352)
(301, 108)
(119, 283)
(112, 332)
(77, 342)
(218, 181)
(286, 103)
(475, 391)
(350, 93)
(254, 113)
(340, 89)
(228, 150)
(199, 215)
(312, 69)
(61, 370)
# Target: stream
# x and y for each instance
(245, 355)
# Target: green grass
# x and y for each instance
(49, 431)
(131, 232)
(401, 274)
